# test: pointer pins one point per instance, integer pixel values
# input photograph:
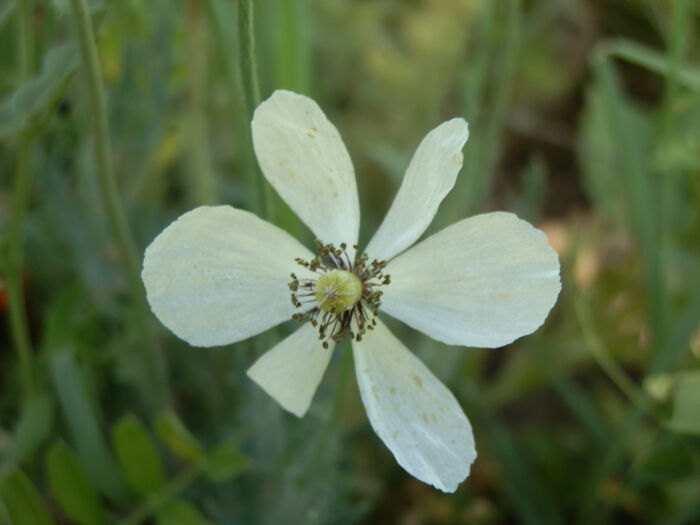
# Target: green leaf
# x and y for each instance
(686, 403)
(681, 331)
(6, 12)
(652, 60)
(632, 140)
(224, 463)
(600, 155)
(138, 455)
(22, 501)
(32, 97)
(34, 426)
(71, 487)
(180, 512)
(81, 416)
(177, 438)
(4, 516)
(668, 460)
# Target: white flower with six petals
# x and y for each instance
(218, 275)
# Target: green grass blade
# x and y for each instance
(634, 171)
(521, 483)
(651, 59)
(474, 184)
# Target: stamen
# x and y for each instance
(343, 301)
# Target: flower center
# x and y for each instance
(342, 301)
(338, 291)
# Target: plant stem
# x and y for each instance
(25, 40)
(251, 90)
(249, 65)
(201, 180)
(152, 378)
(15, 263)
(329, 430)
(292, 50)
(345, 368)
(19, 327)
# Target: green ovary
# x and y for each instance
(338, 291)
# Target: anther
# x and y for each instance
(342, 302)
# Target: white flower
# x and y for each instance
(218, 275)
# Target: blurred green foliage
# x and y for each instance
(585, 120)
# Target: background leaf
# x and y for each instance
(584, 120)
(224, 463)
(81, 417)
(22, 501)
(138, 455)
(180, 512)
(686, 403)
(71, 486)
(18, 109)
(177, 438)
(34, 425)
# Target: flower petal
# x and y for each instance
(292, 370)
(429, 177)
(218, 275)
(484, 281)
(303, 157)
(413, 413)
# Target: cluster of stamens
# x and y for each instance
(343, 301)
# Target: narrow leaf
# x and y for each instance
(652, 60)
(224, 463)
(22, 501)
(686, 403)
(138, 455)
(71, 487)
(82, 421)
(177, 438)
(180, 512)
(29, 99)
(6, 12)
(34, 426)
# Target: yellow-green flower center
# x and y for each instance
(338, 291)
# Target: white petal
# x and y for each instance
(303, 157)
(430, 176)
(292, 370)
(218, 275)
(484, 281)
(413, 413)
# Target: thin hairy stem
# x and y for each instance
(152, 379)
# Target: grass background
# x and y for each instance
(585, 120)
